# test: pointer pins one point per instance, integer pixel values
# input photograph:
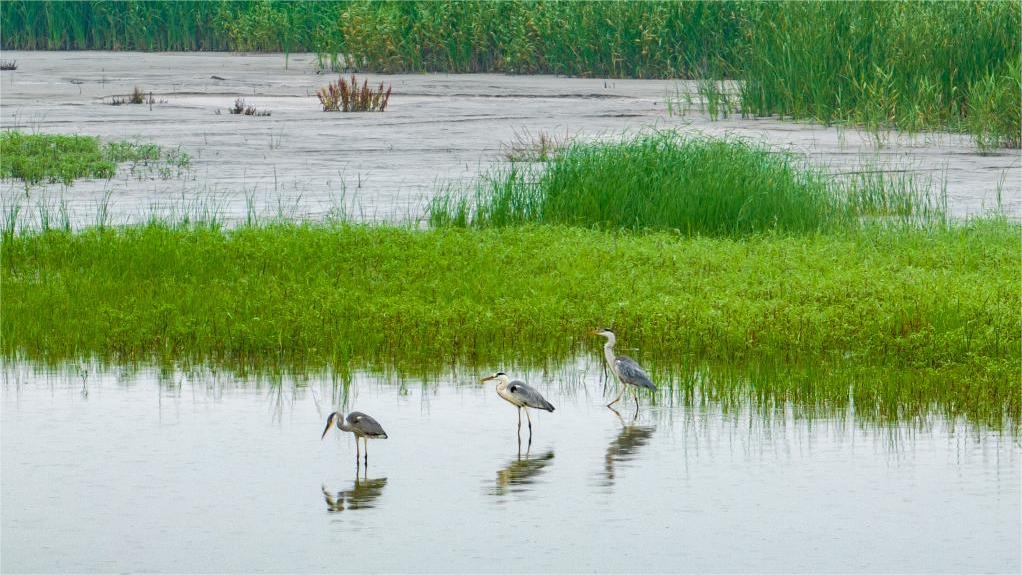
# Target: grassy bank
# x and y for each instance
(911, 65)
(694, 185)
(932, 299)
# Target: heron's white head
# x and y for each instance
(330, 420)
(499, 376)
(605, 332)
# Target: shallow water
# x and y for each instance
(170, 472)
(440, 129)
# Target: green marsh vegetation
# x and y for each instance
(938, 305)
(755, 279)
(906, 65)
(688, 185)
(35, 158)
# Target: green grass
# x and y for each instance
(35, 158)
(663, 181)
(934, 299)
(909, 65)
(53, 158)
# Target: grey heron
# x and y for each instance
(358, 423)
(627, 370)
(520, 395)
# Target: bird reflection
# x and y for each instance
(521, 472)
(624, 447)
(362, 495)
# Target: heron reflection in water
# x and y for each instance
(361, 496)
(521, 472)
(624, 447)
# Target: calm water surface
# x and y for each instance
(127, 473)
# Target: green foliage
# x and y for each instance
(995, 108)
(930, 299)
(693, 186)
(910, 65)
(35, 158)
(54, 158)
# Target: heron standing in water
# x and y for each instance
(520, 395)
(627, 370)
(360, 424)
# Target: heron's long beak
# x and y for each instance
(329, 422)
(487, 378)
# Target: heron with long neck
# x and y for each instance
(627, 370)
(521, 395)
(359, 424)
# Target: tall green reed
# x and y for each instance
(693, 186)
(909, 65)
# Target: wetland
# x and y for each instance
(831, 314)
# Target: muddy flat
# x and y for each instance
(440, 130)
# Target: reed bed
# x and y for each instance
(908, 65)
(688, 185)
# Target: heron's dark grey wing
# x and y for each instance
(632, 373)
(529, 396)
(366, 425)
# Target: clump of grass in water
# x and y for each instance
(524, 147)
(660, 181)
(137, 96)
(240, 108)
(8, 65)
(345, 95)
(692, 186)
(35, 158)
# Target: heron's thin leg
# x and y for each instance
(366, 439)
(618, 397)
(358, 450)
(519, 421)
(635, 396)
(530, 422)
